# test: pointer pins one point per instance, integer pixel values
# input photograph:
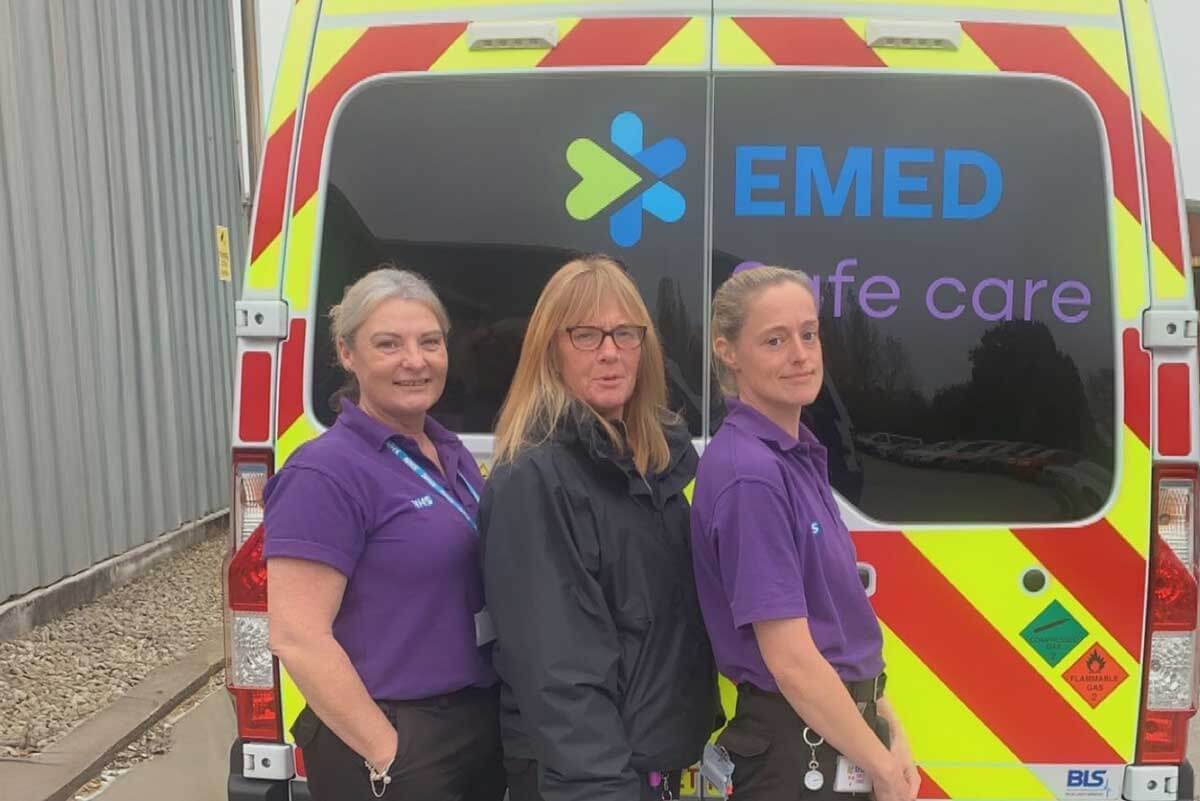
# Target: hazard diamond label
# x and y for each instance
(1054, 633)
(1095, 675)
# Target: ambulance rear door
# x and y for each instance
(963, 184)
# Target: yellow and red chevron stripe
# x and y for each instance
(262, 273)
(981, 707)
(1165, 210)
(1175, 379)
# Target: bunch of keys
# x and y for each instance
(814, 780)
(660, 783)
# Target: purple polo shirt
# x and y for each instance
(769, 543)
(407, 619)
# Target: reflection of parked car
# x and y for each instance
(969, 454)
(899, 445)
(931, 455)
(1028, 467)
(983, 458)
(886, 445)
(870, 442)
(1003, 460)
(1084, 485)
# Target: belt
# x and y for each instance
(467, 695)
(867, 691)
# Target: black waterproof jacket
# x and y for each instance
(606, 669)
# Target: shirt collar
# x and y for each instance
(746, 418)
(377, 434)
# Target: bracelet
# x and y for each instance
(382, 777)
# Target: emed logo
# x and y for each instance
(605, 178)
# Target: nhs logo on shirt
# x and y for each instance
(424, 502)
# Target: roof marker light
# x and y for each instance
(914, 34)
(520, 35)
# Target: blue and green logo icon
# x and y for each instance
(604, 179)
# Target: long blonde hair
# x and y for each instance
(538, 399)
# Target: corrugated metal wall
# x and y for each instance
(118, 157)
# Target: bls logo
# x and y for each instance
(605, 178)
(1088, 779)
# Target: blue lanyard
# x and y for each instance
(423, 474)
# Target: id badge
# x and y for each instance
(485, 630)
(717, 769)
(850, 778)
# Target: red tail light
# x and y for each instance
(1170, 690)
(301, 770)
(1172, 591)
(258, 715)
(247, 576)
(251, 672)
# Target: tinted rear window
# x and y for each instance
(959, 230)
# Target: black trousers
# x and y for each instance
(523, 782)
(449, 750)
(765, 740)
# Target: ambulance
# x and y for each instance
(987, 197)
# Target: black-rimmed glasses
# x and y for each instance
(590, 337)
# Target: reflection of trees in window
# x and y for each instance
(1024, 389)
(946, 413)
(683, 349)
(873, 371)
(1100, 386)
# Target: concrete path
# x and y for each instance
(55, 774)
(197, 765)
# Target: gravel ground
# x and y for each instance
(155, 742)
(62, 673)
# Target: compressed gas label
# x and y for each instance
(1054, 633)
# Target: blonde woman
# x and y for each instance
(608, 688)
(789, 619)
(373, 568)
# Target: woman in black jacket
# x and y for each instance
(608, 684)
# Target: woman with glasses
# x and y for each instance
(608, 688)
